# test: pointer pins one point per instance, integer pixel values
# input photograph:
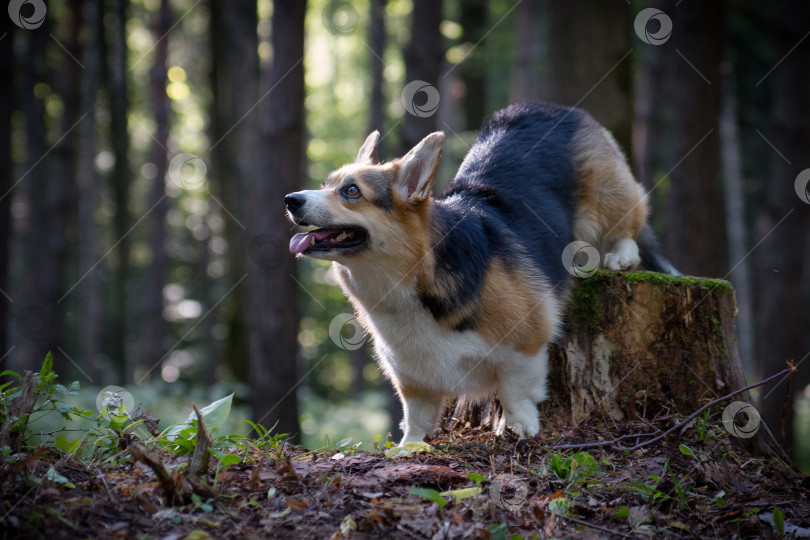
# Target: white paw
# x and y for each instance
(524, 425)
(624, 256)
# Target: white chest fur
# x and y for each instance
(413, 349)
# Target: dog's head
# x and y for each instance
(368, 206)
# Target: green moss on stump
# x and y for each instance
(706, 284)
(587, 308)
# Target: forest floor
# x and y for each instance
(700, 483)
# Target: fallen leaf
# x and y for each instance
(296, 504)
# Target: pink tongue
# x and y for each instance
(301, 241)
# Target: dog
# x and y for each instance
(463, 293)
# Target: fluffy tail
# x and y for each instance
(651, 257)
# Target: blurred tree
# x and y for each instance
(235, 165)
(90, 300)
(116, 76)
(154, 328)
(38, 317)
(376, 37)
(472, 69)
(781, 259)
(693, 83)
(7, 104)
(274, 298)
(62, 222)
(529, 54)
(589, 61)
(423, 59)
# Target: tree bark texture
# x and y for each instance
(274, 292)
(637, 345)
(423, 60)
(695, 234)
(589, 60)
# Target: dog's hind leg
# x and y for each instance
(521, 386)
(611, 206)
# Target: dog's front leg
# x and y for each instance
(420, 410)
(521, 386)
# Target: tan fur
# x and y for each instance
(510, 310)
(612, 205)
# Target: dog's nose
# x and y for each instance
(294, 201)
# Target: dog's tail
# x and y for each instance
(652, 258)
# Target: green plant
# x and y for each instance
(574, 468)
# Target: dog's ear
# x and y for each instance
(368, 152)
(418, 167)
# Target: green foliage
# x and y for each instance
(778, 520)
(429, 494)
(575, 468)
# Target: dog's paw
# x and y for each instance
(624, 257)
(523, 425)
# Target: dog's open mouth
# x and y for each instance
(346, 239)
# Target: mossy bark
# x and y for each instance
(637, 344)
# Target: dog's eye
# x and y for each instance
(352, 191)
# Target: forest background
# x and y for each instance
(146, 145)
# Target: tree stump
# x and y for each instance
(637, 344)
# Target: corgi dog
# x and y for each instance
(463, 293)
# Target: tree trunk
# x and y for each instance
(638, 344)
(692, 72)
(376, 35)
(598, 78)
(154, 327)
(735, 222)
(235, 167)
(6, 173)
(274, 298)
(65, 190)
(120, 181)
(529, 54)
(90, 295)
(782, 258)
(472, 69)
(423, 59)
(36, 317)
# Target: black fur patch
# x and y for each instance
(517, 181)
